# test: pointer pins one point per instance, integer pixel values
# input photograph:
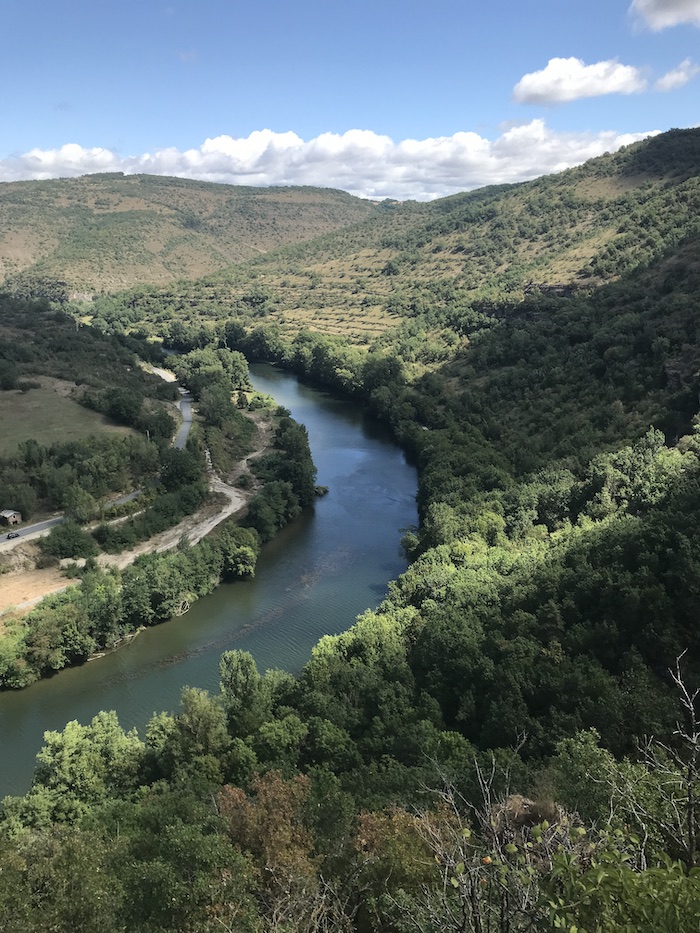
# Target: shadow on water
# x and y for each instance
(312, 579)
(304, 591)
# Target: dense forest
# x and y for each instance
(510, 740)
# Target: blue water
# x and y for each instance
(313, 579)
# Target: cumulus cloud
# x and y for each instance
(660, 14)
(678, 76)
(72, 159)
(567, 79)
(359, 161)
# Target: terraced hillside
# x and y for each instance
(450, 261)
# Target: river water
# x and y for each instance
(313, 579)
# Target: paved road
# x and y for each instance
(31, 531)
(185, 406)
(41, 528)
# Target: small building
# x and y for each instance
(10, 517)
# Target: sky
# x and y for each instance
(415, 99)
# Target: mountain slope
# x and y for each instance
(452, 260)
(110, 231)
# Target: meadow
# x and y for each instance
(47, 417)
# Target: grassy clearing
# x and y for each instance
(47, 417)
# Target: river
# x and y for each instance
(313, 579)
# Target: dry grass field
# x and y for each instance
(47, 416)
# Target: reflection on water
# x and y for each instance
(313, 579)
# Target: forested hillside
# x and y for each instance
(430, 274)
(102, 232)
(510, 740)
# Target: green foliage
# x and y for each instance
(76, 475)
(58, 879)
(192, 747)
(69, 540)
(289, 475)
(239, 551)
(208, 370)
(272, 509)
(177, 867)
(611, 895)
(228, 433)
(76, 770)
(68, 628)
(243, 693)
(554, 583)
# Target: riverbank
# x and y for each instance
(23, 588)
(21, 591)
(313, 579)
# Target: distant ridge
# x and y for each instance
(480, 252)
(111, 231)
(340, 264)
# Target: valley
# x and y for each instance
(534, 351)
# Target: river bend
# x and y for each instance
(313, 579)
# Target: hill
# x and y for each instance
(111, 231)
(521, 341)
(451, 261)
(535, 349)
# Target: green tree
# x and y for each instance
(179, 468)
(195, 742)
(69, 540)
(58, 879)
(76, 769)
(80, 505)
(178, 869)
(243, 692)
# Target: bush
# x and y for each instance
(69, 540)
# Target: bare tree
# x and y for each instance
(489, 858)
(659, 794)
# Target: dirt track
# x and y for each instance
(194, 527)
(20, 589)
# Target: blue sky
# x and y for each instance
(411, 99)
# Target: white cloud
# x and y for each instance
(359, 161)
(678, 76)
(566, 79)
(72, 158)
(660, 14)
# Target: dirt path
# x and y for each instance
(20, 589)
(194, 527)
